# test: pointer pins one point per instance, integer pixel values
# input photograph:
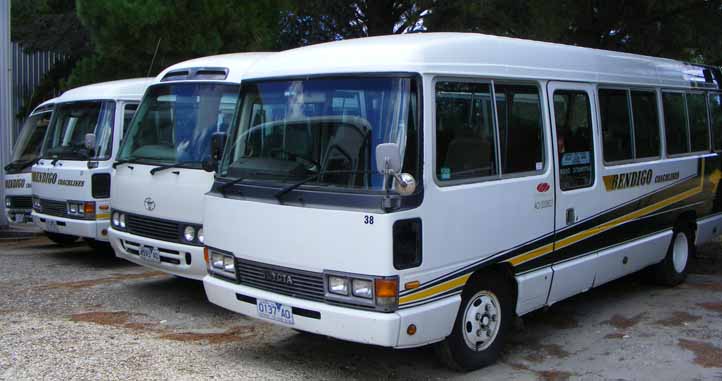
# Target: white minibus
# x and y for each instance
(18, 181)
(426, 188)
(71, 180)
(159, 178)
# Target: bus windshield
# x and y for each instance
(31, 136)
(69, 125)
(322, 131)
(175, 122)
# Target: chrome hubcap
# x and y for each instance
(482, 318)
(680, 252)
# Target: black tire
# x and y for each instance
(454, 351)
(666, 273)
(61, 239)
(99, 246)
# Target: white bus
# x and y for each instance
(159, 180)
(18, 181)
(71, 181)
(418, 189)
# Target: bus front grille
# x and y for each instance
(20, 202)
(53, 208)
(282, 280)
(155, 228)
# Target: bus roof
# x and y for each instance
(236, 63)
(484, 55)
(123, 89)
(45, 106)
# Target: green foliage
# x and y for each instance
(125, 33)
(49, 25)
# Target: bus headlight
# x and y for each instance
(189, 233)
(116, 219)
(7, 202)
(201, 237)
(221, 263)
(363, 288)
(121, 220)
(338, 285)
(381, 293)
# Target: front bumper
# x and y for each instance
(178, 259)
(433, 321)
(93, 229)
(19, 216)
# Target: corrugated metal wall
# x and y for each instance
(27, 72)
(5, 100)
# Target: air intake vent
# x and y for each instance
(101, 185)
(198, 74)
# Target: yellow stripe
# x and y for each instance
(438, 289)
(104, 216)
(550, 247)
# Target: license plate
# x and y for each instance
(275, 311)
(51, 226)
(19, 218)
(150, 254)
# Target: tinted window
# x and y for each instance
(715, 107)
(465, 138)
(675, 123)
(616, 131)
(575, 151)
(128, 113)
(646, 124)
(699, 131)
(520, 128)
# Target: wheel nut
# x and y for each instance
(493, 317)
(478, 316)
(487, 307)
(478, 333)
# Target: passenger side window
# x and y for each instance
(520, 128)
(573, 120)
(646, 124)
(465, 140)
(715, 108)
(698, 130)
(675, 123)
(616, 131)
(128, 113)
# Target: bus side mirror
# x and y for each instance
(388, 159)
(89, 142)
(218, 142)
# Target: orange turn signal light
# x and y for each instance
(412, 285)
(205, 254)
(89, 208)
(104, 207)
(386, 288)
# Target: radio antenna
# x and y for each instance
(154, 54)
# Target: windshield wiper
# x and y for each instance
(278, 195)
(229, 184)
(124, 161)
(185, 164)
(21, 164)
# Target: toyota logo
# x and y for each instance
(149, 204)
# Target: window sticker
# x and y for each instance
(445, 173)
(575, 158)
(539, 166)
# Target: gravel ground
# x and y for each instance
(70, 313)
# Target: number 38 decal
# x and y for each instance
(369, 220)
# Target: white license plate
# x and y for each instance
(51, 226)
(274, 311)
(150, 254)
(19, 218)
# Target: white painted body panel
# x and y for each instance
(18, 184)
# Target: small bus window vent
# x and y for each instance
(177, 75)
(407, 243)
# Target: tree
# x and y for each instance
(680, 29)
(314, 21)
(125, 33)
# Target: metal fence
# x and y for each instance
(27, 73)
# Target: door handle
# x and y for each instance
(571, 218)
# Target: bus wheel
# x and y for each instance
(481, 325)
(61, 239)
(673, 269)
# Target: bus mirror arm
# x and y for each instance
(388, 163)
(218, 142)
